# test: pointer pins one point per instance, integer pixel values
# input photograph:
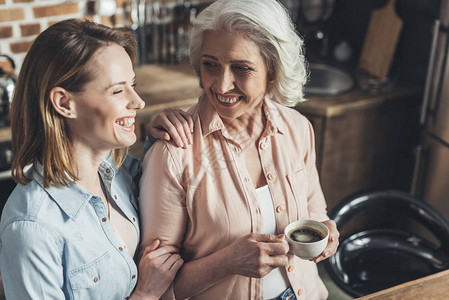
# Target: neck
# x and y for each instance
(88, 162)
(249, 125)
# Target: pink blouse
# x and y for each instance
(202, 199)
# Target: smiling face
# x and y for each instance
(233, 73)
(106, 108)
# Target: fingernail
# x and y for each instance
(326, 254)
(281, 236)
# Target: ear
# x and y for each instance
(62, 101)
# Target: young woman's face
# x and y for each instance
(233, 73)
(107, 106)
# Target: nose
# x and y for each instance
(225, 81)
(135, 101)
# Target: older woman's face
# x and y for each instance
(233, 73)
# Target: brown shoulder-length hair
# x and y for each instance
(59, 57)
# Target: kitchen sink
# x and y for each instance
(327, 80)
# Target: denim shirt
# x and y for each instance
(58, 243)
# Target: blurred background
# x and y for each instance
(377, 91)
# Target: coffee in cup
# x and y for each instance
(305, 235)
(306, 238)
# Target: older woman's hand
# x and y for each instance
(172, 124)
(332, 244)
(157, 269)
(256, 255)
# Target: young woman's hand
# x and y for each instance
(157, 269)
(171, 124)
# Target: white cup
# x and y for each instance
(306, 249)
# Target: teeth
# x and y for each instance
(127, 122)
(228, 100)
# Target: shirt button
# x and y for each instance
(299, 292)
(134, 219)
(279, 208)
(96, 279)
(120, 248)
(115, 196)
(290, 268)
(270, 176)
(104, 219)
(134, 276)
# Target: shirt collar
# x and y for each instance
(275, 122)
(71, 198)
(211, 121)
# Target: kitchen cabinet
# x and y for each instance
(364, 141)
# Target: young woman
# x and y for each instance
(70, 229)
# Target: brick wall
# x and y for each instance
(22, 20)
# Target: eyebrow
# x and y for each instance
(120, 83)
(232, 61)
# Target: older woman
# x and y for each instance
(225, 201)
(70, 228)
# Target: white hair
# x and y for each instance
(267, 23)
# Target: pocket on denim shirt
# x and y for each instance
(94, 276)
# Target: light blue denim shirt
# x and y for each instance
(57, 243)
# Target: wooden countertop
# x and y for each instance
(355, 99)
(164, 86)
(432, 287)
